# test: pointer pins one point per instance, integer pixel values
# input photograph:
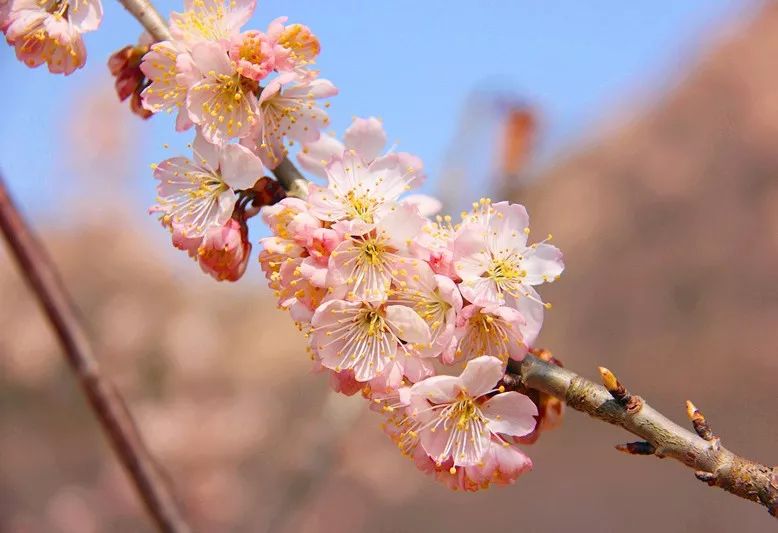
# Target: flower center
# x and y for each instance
(251, 51)
(505, 269)
(371, 251)
(362, 206)
(464, 411)
(372, 323)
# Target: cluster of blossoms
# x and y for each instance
(389, 298)
(249, 95)
(49, 31)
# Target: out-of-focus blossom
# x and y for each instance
(49, 31)
(198, 194)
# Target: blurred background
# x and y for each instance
(644, 136)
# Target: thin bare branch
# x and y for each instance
(104, 399)
(711, 462)
(149, 18)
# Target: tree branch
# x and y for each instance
(149, 18)
(701, 451)
(104, 399)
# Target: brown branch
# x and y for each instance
(103, 397)
(711, 462)
(291, 179)
(149, 18)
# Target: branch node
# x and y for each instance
(637, 448)
(706, 477)
(511, 381)
(633, 404)
(701, 426)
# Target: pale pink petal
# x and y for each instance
(211, 56)
(205, 153)
(510, 413)
(532, 310)
(508, 224)
(481, 375)
(543, 263)
(427, 205)
(437, 389)
(239, 167)
(315, 156)
(366, 136)
(85, 15)
(407, 324)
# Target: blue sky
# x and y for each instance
(411, 63)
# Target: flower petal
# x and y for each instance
(481, 375)
(543, 263)
(510, 413)
(240, 168)
(407, 324)
(366, 136)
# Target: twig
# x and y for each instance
(149, 18)
(104, 398)
(711, 462)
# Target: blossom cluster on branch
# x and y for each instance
(392, 297)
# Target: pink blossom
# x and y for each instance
(366, 138)
(344, 382)
(223, 102)
(501, 465)
(288, 110)
(435, 298)
(295, 46)
(495, 331)
(492, 257)
(224, 251)
(457, 421)
(362, 337)
(210, 20)
(197, 195)
(171, 71)
(50, 31)
(190, 245)
(365, 264)
(359, 192)
(320, 245)
(253, 55)
(436, 246)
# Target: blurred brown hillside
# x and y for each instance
(670, 228)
